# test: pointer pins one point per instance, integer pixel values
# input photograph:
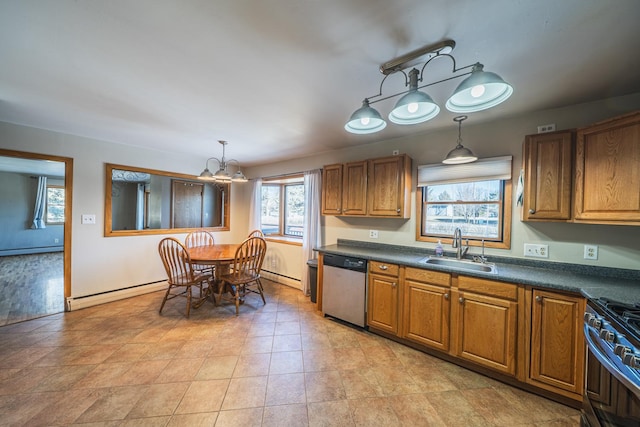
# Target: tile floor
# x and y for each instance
(282, 364)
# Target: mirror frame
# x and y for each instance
(108, 220)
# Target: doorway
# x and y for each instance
(35, 242)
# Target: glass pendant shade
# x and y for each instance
(365, 120)
(206, 175)
(239, 177)
(479, 91)
(414, 107)
(222, 175)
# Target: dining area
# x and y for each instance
(203, 271)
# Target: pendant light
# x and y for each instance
(414, 107)
(459, 154)
(479, 91)
(365, 120)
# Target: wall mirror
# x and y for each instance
(146, 201)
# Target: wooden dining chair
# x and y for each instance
(256, 233)
(245, 272)
(200, 238)
(181, 276)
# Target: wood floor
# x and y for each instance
(31, 286)
(279, 364)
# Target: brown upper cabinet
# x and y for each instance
(607, 182)
(378, 187)
(605, 171)
(548, 165)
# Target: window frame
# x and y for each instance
(282, 183)
(506, 219)
(46, 210)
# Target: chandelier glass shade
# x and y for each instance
(479, 91)
(222, 174)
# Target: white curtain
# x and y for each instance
(255, 206)
(311, 235)
(41, 203)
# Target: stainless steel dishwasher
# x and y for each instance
(344, 288)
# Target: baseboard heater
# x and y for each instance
(281, 278)
(77, 303)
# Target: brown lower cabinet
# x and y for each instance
(557, 342)
(531, 336)
(382, 304)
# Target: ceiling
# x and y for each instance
(279, 78)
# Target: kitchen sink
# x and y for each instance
(462, 264)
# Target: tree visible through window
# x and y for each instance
(474, 207)
(282, 209)
(55, 205)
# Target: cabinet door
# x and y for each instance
(548, 166)
(382, 312)
(388, 192)
(486, 330)
(354, 189)
(426, 314)
(607, 185)
(332, 189)
(557, 341)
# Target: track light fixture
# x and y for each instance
(222, 174)
(479, 91)
(459, 154)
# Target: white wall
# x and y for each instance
(618, 245)
(99, 263)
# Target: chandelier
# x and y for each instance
(222, 174)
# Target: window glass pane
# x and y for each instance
(55, 204)
(294, 210)
(270, 218)
(479, 220)
(466, 191)
(474, 207)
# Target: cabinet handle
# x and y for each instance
(538, 298)
(461, 300)
(393, 285)
(446, 296)
(532, 211)
(383, 267)
(398, 210)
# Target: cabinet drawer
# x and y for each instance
(385, 268)
(428, 276)
(488, 287)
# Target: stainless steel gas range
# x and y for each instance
(612, 392)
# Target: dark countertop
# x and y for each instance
(622, 285)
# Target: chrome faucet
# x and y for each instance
(457, 243)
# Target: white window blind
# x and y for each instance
(480, 170)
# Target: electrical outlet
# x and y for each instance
(373, 234)
(547, 128)
(536, 251)
(56, 240)
(590, 252)
(88, 219)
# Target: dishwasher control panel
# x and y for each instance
(349, 263)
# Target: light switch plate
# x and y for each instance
(88, 219)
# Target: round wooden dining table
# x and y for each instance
(219, 255)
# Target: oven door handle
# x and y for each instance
(602, 357)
